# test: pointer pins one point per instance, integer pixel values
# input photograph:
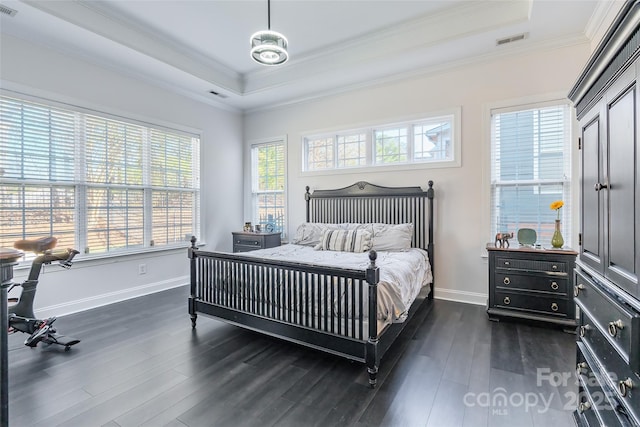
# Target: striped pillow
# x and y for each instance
(345, 240)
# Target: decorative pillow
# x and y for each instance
(345, 240)
(392, 237)
(310, 233)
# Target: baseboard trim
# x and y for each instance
(461, 296)
(75, 306)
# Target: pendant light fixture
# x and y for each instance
(269, 47)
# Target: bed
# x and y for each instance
(297, 293)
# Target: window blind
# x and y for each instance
(95, 182)
(530, 169)
(268, 185)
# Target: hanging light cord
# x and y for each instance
(269, 15)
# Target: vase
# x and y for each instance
(557, 241)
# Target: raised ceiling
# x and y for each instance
(195, 47)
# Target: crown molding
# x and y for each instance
(419, 33)
(431, 70)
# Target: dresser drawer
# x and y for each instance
(541, 265)
(616, 371)
(617, 322)
(245, 242)
(596, 400)
(540, 304)
(252, 242)
(554, 285)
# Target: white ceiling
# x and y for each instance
(196, 46)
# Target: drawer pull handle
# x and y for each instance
(506, 280)
(506, 263)
(583, 406)
(582, 368)
(554, 286)
(614, 327)
(584, 329)
(577, 288)
(507, 300)
(554, 306)
(624, 386)
(554, 267)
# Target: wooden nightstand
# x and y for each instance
(534, 284)
(244, 242)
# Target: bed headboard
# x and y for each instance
(364, 202)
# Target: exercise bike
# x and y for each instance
(21, 316)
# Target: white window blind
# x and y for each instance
(268, 185)
(530, 169)
(95, 182)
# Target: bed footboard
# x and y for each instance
(321, 307)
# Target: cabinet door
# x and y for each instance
(621, 249)
(592, 209)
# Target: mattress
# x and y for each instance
(402, 274)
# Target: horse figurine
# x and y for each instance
(502, 240)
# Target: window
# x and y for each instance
(93, 181)
(268, 176)
(530, 168)
(427, 141)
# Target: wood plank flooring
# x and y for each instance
(141, 364)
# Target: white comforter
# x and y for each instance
(402, 274)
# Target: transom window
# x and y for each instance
(428, 141)
(96, 182)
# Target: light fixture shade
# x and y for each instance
(269, 48)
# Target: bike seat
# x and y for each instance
(36, 245)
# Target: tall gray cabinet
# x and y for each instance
(606, 290)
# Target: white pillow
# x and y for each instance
(309, 233)
(345, 240)
(392, 237)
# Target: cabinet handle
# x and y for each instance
(577, 288)
(554, 286)
(582, 366)
(599, 186)
(615, 326)
(554, 306)
(506, 263)
(583, 406)
(507, 300)
(506, 280)
(624, 386)
(584, 329)
(554, 267)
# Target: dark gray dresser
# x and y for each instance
(533, 284)
(244, 242)
(606, 277)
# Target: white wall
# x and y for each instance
(461, 223)
(40, 71)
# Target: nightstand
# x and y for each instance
(244, 242)
(533, 284)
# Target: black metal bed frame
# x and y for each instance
(297, 302)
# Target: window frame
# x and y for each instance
(253, 194)
(369, 130)
(568, 192)
(81, 184)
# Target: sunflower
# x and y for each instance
(555, 206)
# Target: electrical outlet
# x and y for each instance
(142, 269)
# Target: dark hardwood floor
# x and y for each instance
(141, 364)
